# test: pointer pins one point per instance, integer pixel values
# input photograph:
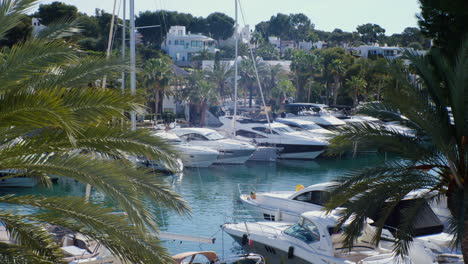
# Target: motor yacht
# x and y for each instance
(308, 126)
(314, 238)
(313, 112)
(292, 144)
(212, 258)
(231, 151)
(287, 206)
(192, 156)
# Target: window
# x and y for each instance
(193, 136)
(214, 136)
(248, 134)
(314, 197)
(264, 130)
(181, 42)
(305, 230)
(283, 129)
(176, 42)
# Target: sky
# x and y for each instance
(392, 15)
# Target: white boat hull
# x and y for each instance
(300, 155)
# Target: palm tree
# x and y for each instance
(249, 77)
(432, 97)
(158, 75)
(49, 113)
(337, 70)
(200, 92)
(220, 75)
(357, 85)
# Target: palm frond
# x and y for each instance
(11, 12)
(97, 222)
(31, 236)
(14, 254)
(59, 29)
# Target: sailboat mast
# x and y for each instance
(124, 24)
(236, 54)
(132, 59)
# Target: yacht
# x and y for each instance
(314, 238)
(308, 126)
(231, 151)
(313, 112)
(192, 156)
(7, 180)
(292, 144)
(287, 206)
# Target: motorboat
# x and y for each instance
(314, 238)
(14, 179)
(212, 258)
(292, 144)
(76, 248)
(308, 126)
(191, 155)
(231, 151)
(287, 206)
(313, 112)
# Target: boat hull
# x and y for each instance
(198, 161)
(234, 156)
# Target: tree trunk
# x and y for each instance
(250, 95)
(156, 104)
(336, 86)
(203, 107)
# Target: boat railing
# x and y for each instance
(249, 188)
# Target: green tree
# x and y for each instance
(370, 33)
(19, 33)
(434, 161)
(304, 66)
(200, 92)
(49, 114)
(222, 75)
(283, 89)
(56, 12)
(337, 70)
(445, 23)
(357, 86)
(158, 75)
(220, 25)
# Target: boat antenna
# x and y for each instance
(254, 63)
(236, 73)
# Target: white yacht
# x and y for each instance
(192, 156)
(231, 151)
(313, 112)
(287, 206)
(292, 144)
(314, 238)
(308, 126)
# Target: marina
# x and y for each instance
(213, 195)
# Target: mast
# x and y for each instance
(236, 54)
(132, 59)
(124, 24)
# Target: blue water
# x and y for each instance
(212, 194)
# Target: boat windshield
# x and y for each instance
(283, 129)
(214, 136)
(311, 126)
(305, 230)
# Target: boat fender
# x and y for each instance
(245, 239)
(290, 252)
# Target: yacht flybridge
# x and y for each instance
(313, 112)
(314, 238)
(307, 126)
(231, 151)
(292, 144)
(192, 156)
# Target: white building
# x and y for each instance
(244, 36)
(36, 26)
(308, 45)
(366, 51)
(182, 46)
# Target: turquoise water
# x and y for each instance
(212, 194)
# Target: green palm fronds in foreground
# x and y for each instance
(431, 97)
(49, 113)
